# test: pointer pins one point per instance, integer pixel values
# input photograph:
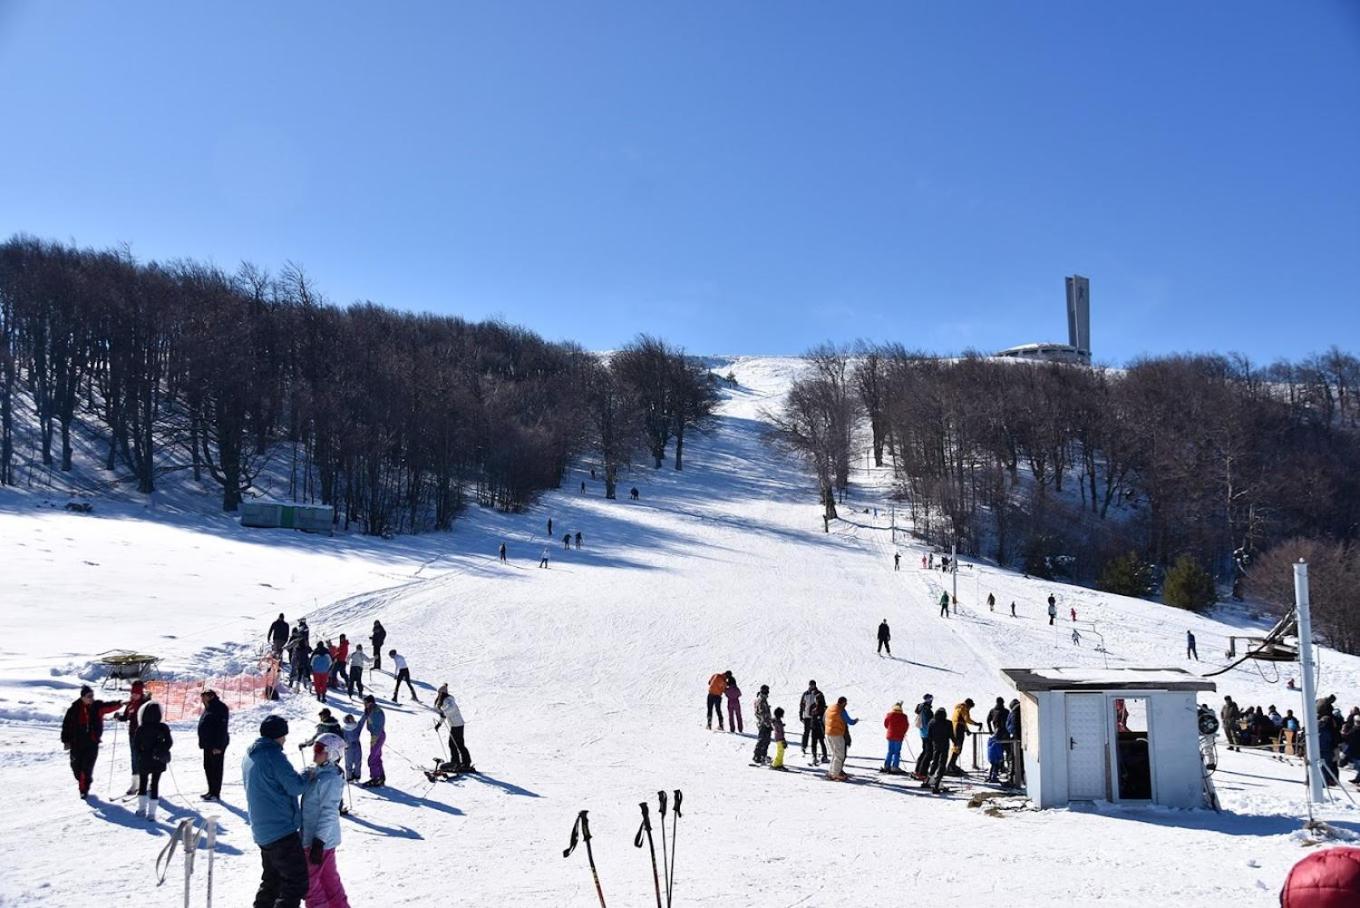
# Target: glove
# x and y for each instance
(316, 853)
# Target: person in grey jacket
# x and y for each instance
(325, 789)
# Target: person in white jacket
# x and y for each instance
(453, 717)
(358, 661)
(325, 787)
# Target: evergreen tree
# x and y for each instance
(1127, 575)
(1189, 586)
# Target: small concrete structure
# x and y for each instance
(1127, 735)
(312, 518)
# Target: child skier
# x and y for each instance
(996, 755)
(354, 748)
(325, 788)
(779, 742)
(321, 670)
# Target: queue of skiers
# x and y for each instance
(827, 727)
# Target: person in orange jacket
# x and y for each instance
(716, 685)
(837, 722)
(896, 723)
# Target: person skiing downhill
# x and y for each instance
(1074, 614)
(566, 541)
(153, 742)
(377, 736)
(896, 724)
(897, 561)
(272, 791)
(403, 674)
(501, 553)
(764, 725)
(449, 714)
(128, 714)
(838, 722)
(378, 638)
(1052, 608)
(944, 605)
(543, 559)
(923, 562)
(213, 738)
(991, 602)
(549, 527)
(81, 730)
(733, 694)
(1012, 608)
(884, 635)
(716, 685)
(578, 539)
(324, 789)
(1190, 650)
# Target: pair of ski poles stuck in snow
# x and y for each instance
(580, 831)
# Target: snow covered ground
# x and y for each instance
(583, 686)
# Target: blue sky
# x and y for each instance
(736, 177)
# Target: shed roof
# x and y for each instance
(1043, 679)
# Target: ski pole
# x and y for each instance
(582, 827)
(675, 834)
(637, 843)
(665, 856)
(113, 756)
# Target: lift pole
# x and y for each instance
(1316, 789)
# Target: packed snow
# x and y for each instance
(583, 688)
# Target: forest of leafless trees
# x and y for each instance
(1062, 468)
(394, 418)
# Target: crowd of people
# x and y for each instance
(1283, 736)
(826, 736)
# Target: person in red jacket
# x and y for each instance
(1329, 878)
(129, 715)
(81, 730)
(896, 723)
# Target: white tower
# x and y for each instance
(1079, 315)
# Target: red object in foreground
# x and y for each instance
(1325, 879)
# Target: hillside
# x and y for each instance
(583, 687)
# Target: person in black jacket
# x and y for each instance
(379, 635)
(278, 635)
(884, 635)
(153, 743)
(212, 740)
(996, 717)
(939, 740)
(81, 729)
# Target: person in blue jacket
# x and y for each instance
(272, 790)
(321, 671)
(321, 822)
(354, 748)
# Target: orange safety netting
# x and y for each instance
(181, 699)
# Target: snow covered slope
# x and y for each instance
(583, 687)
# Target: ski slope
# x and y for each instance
(583, 688)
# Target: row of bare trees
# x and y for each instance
(1208, 455)
(392, 417)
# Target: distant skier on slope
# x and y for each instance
(897, 561)
(1012, 608)
(358, 661)
(764, 725)
(550, 528)
(716, 685)
(884, 635)
(501, 553)
(578, 539)
(1074, 613)
(1190, 650)
(733, 694)
(403, 674)
(543, 559)
(566, 540)
(991, 602)
(81, 730)
(944, 605)
(1052, 609)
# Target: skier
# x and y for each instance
(996, 716)
(213, 739)
(1230, 714)
(566, 541)
(543, 560)
(377, 736)
(379, 637)
(991, 602)
(153, 742)
(299, 655)
(501, 553)
(838, 721)
(403, 674)
(944, 605)
(326, 725)
(716, 685)
(939, 735)
(1012, 608)
(449, 712)
(1074, 613)
(896, 724)
(1013, 734)
(321, 798)
(340, 656)
(354, 748)
(806, 703)
(81, 729)
(278, 635)
(272, 790)
(578, 539)
(549, 527)
(321, 670)
(923, 562)
(897, 561)
(1052, 609)
(764, 725)
(1190, 651)
(1076, 637)
(779, 743)
(816, 716)
(358, 661)
(884, 635)
(962, 718)
(733, 694)
(996, 756)
(930, 561)
(128, 714)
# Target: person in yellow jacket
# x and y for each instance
(837, 722)
(962, 718)
(716, 686)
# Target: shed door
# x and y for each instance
(1085, 747)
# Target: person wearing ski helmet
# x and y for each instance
(153, 742)
(272, 791)
(81, 730)
(321, 797)
(128, 714)
(449, 714)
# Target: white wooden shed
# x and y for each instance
(1127, 735)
